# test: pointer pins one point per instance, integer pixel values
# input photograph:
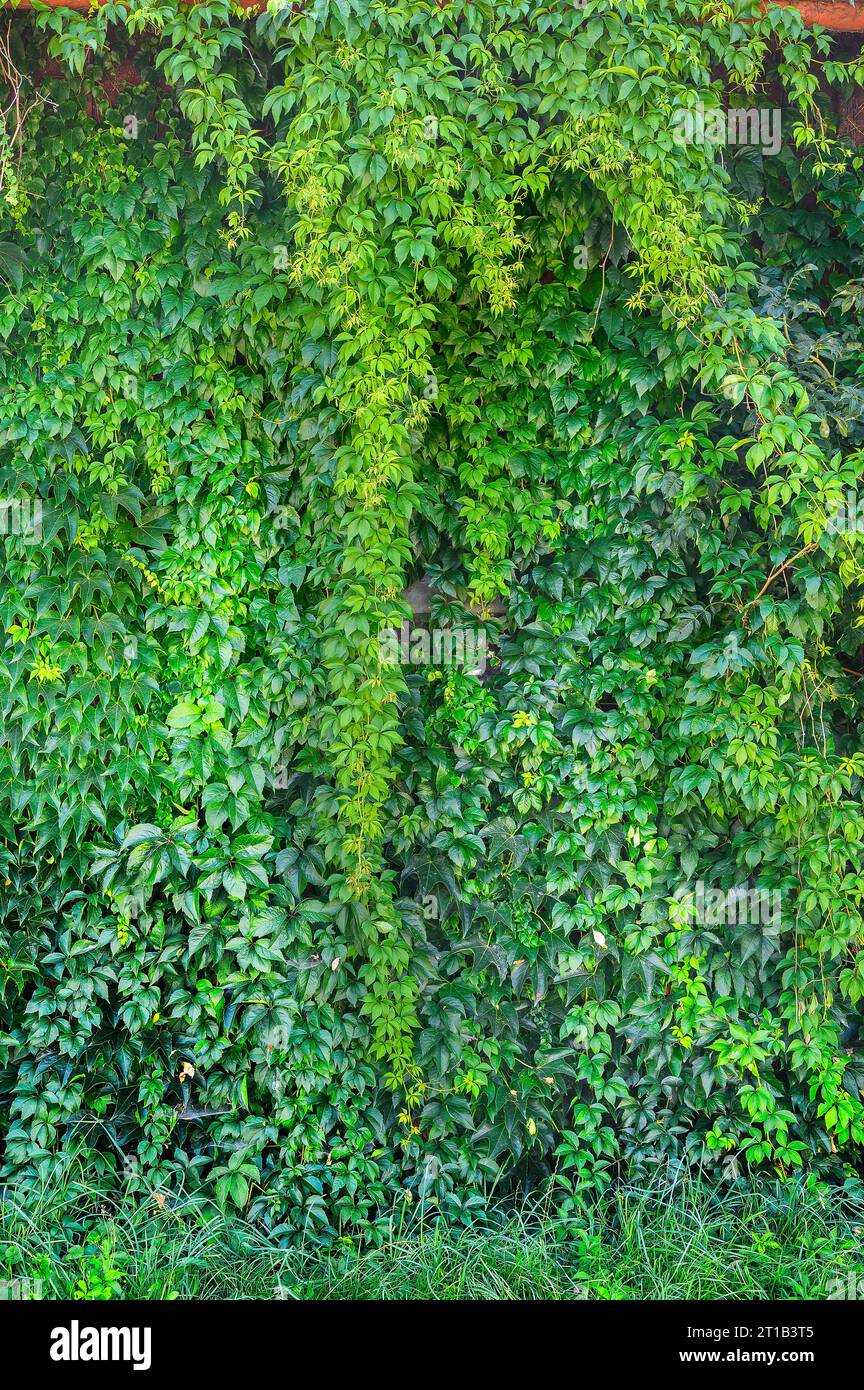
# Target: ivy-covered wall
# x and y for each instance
(370, 312)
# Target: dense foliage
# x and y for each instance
(757, 1239)
(351, 295)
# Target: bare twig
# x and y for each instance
(15, 107)
(781, 569)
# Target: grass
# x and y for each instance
(751, 1240)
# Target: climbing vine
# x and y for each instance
(316, 311)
